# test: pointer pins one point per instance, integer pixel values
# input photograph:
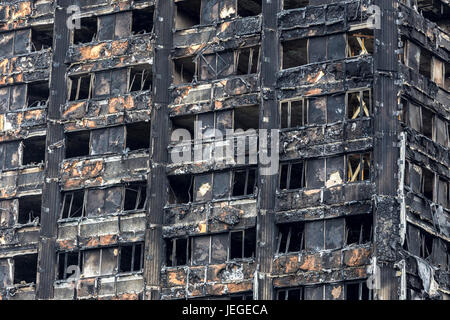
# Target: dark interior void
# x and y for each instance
(141, 78)
(77, 144)
(248, 60)
(436, 11)
(248, 8)
(184, 122)
(244, 182)
(38, 94)
(29, 209)
(88, 31)
(131, 258)
(138, 136)
(425, 63)
(65, 260)
(358, 229)
(292, 4)
(80, 87)
(427, 183)
(243, 244)
(181, 189)
(135, 196)
(177, 252)
(33, 151)
(142, 21)
(291, 237)
(42, 37)
(183, 70)
(295, 53)
(72, 204)
(292, 176)
(246, 118)
(25, 268)
(187, 14)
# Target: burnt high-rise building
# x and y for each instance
(116, 181)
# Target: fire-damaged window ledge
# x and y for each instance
(109, 157)
(77, 220)
(246, 78)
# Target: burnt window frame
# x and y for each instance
(364, 110)
(288, 103)
(78, 79)
(250, 63)
(141, 193)
(64, 203)
(285, 292)
(361, 284)
(279, 238)
(360, 177)
(170, 245)
(295, 7)
(290, 164)
(133, 246)
(65, 255)
(246, 185)
(362, 230)
(359, 34)
(38, 215)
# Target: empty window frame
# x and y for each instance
(291, 237)
(242, 244)
(211, 249)
(294, 113)
(360, 42)
(42, 37)
(294, 294)
(131, 257)
(419, 242)
(358, 167)
(248, 8)
(216, 65)
(242, 296)
(30, 209)
(292, 176)
(143, 20)
(244, 182)
(427, 184)
(77, 144)
(135, 196)
(178, 252)
(72, 204)
(25, 269)
(187, 14)
(292, 4)
(443, 196)
(358, 229)
(295, 53)
(246, 118)
(357, 291)
(248, 60)
(425, 63)
(80, 87)
(424, 121)
(359, 104)
(140, 78)
(87, 32)
(38, 94)
(33, 151)
(181, 189)
(68, 262)
(138, 136)
(184, 70)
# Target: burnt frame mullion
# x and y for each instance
(133, 248)
(288, 240)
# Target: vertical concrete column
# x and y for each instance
(386, 151)
(268, 119)
(54, 155)
(157, 179)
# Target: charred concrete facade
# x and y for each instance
(92, 205)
